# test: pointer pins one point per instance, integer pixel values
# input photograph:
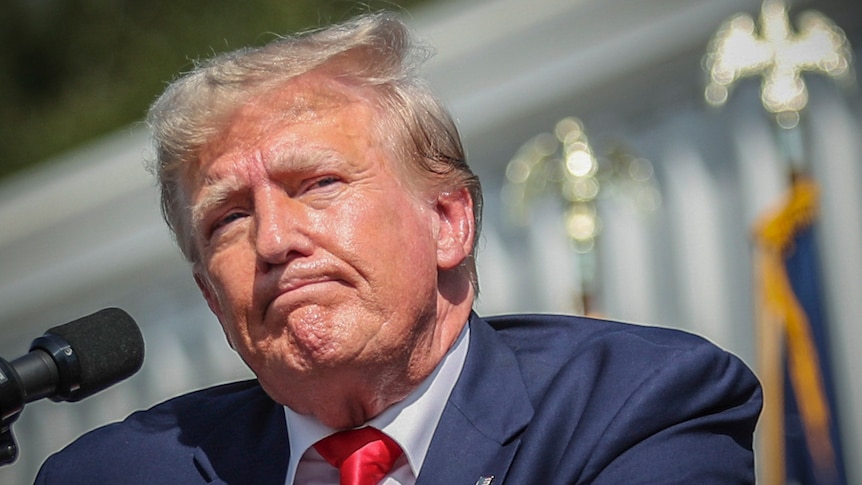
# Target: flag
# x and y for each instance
(800, 441)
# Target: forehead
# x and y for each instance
(309, 98)
(311, 103)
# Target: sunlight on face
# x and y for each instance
(314, 256)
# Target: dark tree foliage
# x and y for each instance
(71, 70)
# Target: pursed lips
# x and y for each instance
(288, 287)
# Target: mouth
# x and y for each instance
(299, 283)
(294, 293)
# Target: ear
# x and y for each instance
(456, 228)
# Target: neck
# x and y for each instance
(350, 394)
(363, 393)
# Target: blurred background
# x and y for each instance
(613, 187)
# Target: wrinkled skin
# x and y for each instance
(336, 284)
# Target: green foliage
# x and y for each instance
(71, 70)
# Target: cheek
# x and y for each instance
(396, 233)
(408, 252)
(232, 281)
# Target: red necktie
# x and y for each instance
(363, 456)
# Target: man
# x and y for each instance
(321, 194)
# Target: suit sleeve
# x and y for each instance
(688, 420)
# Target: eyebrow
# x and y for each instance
(305, 158)
(215, 192)
(218, 190)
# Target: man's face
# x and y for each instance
(314, 256)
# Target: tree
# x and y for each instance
(71, 70)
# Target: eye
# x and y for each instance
(322, 186)
(324, 182)
(226, 220)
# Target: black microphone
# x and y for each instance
(68, 363)
(73, 361)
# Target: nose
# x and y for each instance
(280, 232)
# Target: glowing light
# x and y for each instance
(580, 162)
(569, 129)
(582, 226)
(580, 189)
(776, 53)
(518, 170)
(564, 164)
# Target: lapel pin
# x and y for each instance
(485, 480)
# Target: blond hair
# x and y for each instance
(375, 51)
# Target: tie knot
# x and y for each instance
(363, 456)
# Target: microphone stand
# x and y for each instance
(11, 404)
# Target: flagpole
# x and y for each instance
(771, 328)
(778, 54)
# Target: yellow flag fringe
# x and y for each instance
(782, 319)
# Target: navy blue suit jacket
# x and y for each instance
(541, 400)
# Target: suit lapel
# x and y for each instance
(250, 448)
(477, 436)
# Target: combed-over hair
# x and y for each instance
(375, 51)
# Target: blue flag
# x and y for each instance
(804, 441)
(810, 463)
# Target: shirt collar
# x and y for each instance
(410, 422)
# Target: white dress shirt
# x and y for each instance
(411, 423)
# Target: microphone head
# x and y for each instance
(100, 350)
